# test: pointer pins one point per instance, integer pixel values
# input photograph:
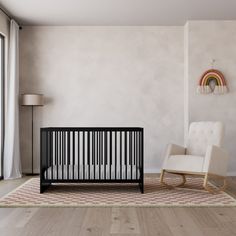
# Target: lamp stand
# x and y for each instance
(32, 144)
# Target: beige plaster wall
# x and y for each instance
(209, 40)
(105, 76)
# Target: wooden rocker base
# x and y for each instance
(171, 186)
(205, 183)
(211, 190)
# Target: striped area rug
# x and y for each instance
(112, 195)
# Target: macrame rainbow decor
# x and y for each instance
(212, 75)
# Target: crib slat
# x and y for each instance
(83, 153)
(139, 156)
(115, 154)
(73, 154)
(97, 156)
(97, 147)
(142, 163)
(68, 154)
(56, 133)
(59, 153)
(110, 152)
(60, 147)
(93, 153)
(137, 152)
(88, 153)
(62, 171)
(131, 157)
(126, 162)
(100, 154)
(78, 154)
(47, 154)
(51, 153)
(121, 155)
(105, 155)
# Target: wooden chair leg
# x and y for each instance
(162, 180)
(220, 189)
(205, 184)
(224, 186)
(162, 176)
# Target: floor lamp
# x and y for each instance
(32, 100)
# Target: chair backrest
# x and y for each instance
(202, 134)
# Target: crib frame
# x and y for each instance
(97, 147)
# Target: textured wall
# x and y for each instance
(105, 76)
(209, 40)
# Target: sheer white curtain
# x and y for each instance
(12, 165)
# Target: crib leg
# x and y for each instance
(141, 186)
(44, 186)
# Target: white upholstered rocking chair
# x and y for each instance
(203, 155)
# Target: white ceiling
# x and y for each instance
(118, 12)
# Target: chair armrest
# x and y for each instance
(216, 161)
(173, 149)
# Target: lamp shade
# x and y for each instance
(32, 100)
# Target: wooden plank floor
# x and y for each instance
(116, 221)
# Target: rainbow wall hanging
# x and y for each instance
(209, 76)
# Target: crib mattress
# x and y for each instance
(86, 172)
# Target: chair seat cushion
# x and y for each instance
(188, 163)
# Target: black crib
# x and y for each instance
(91, 155)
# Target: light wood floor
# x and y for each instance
(116, 221)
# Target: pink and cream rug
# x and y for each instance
(112, 195)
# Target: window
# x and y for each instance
(2, 84)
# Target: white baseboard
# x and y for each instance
(231, 173)
(28, 171)
(152, 171)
